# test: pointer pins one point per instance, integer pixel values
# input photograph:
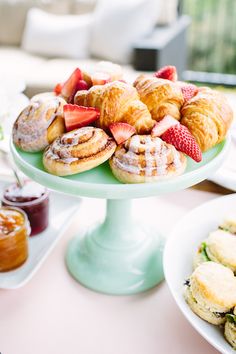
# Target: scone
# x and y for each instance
(229, 224)
(219, 247)
(211, 292)
(230, 328)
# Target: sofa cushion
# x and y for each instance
(116, 27)
(13, 14)
(65, 36)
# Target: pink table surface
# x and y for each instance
(53, 314)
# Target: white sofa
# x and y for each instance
(39, 73)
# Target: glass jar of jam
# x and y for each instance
(14, 232)
(33, 199)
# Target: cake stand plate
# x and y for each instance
(119, 255)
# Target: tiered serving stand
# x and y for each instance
(118, 256)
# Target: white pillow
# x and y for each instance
(57, 35)
(118, 23)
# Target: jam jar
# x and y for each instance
(33, 199)
(14, 232)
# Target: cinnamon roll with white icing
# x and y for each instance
(143, 158)
(78, 151)
(39, 124)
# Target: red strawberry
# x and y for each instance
(121, 131)
(188, 90)
(57, 89)
(82, 85)
(163, 125)
(69, 87)
(183, 140)
(100, 78)
(79, 116)
(167, 72)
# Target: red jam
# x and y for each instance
(14, 232)
(33, 199)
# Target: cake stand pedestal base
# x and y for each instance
(118, 256)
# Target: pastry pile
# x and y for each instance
(211, 289)
(144, 130)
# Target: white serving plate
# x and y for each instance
(226, 174)
(62, 209)
(178, 257)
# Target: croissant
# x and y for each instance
(118, 102)
(39, 124)
(208, 117)
(162, 97)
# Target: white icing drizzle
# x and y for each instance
(176, 160)
(30, 129)
(134, 143)
(129, 168)
(75, 136)
(148, 156)
(71, 147)
(155, 151)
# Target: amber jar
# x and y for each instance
(14, 232)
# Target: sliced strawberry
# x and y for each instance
(79, 116)
(87, 78)
(69, 87)
(188, 90)
(121, 131)
(57, 88)
(183, 140)
(167, 72)
(100, 78)
(163, 125)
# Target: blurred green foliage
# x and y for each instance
(212, 35)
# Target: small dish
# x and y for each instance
(61, 212)
(178, 259)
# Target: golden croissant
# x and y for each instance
(162, 97)
(118, 102)
(208, 117)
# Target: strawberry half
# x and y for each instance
(167, 72)
(183, 140)
(121, 131)
(79, 116)
(188, 90)
(163, 125)
(69, 88)
(100, 78)
(57, 88)
(82, 85)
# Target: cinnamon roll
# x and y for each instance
(39, 124)
(78, 151)
(143, 158)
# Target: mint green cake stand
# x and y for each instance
(119, 255)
